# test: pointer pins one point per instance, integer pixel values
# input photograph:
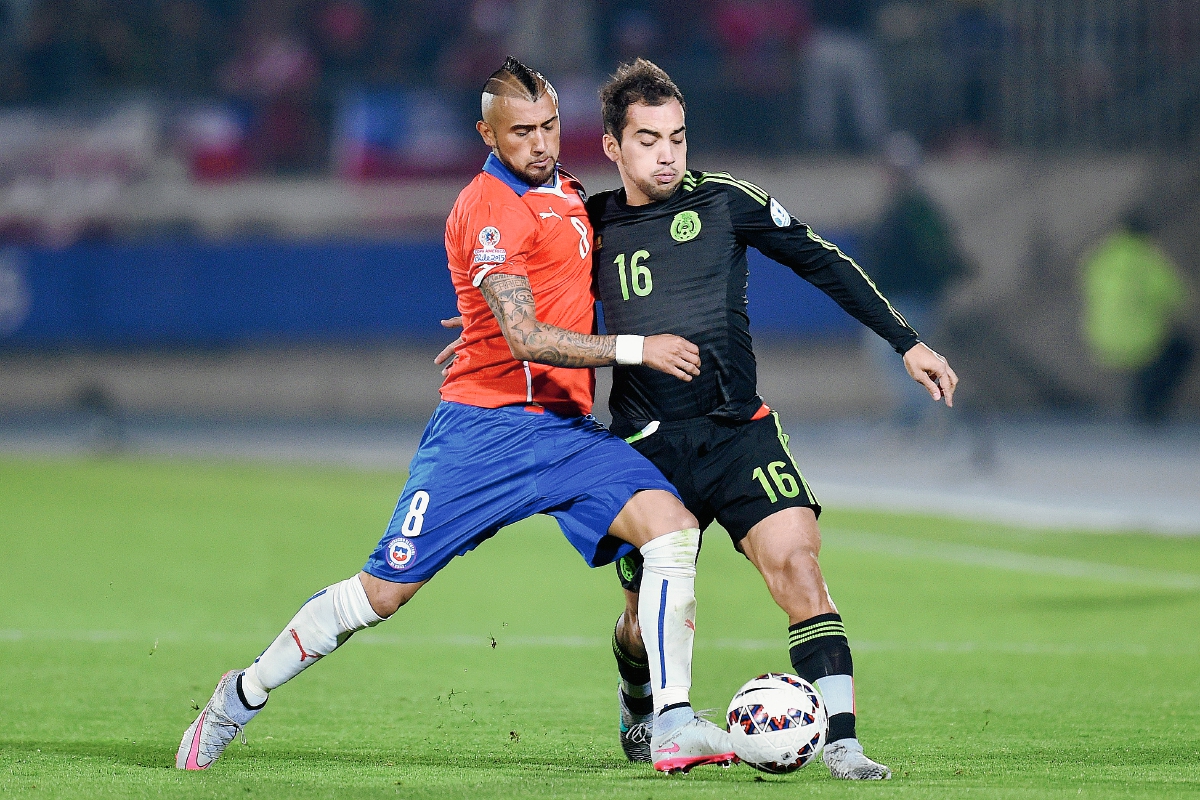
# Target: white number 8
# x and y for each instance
(416, 514)
(585, 241)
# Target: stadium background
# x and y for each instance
(220, 221)
(221, 278)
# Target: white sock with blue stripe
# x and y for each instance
(667, 614)
(321, 625)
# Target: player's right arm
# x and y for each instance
(511, 300)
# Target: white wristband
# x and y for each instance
(629, 350)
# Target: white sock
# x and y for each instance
(667, 613)
(838, 693)
(321, 625)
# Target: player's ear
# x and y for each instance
(612, 148)
(485, 130)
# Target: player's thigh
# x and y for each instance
(751, 475)
(590, 482)
(649, 514)
(788, 541)
(473, 474)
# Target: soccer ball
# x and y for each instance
(777, 723)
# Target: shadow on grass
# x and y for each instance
(161, 756)
(135, 754)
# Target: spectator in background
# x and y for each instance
(410, 38)
(342, 32)
(840, 69)
(914, 260)
(759, 40)
(974, 38)
(1135, 301)
(191, 45)
(276, 72)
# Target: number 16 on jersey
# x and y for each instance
(640, 277)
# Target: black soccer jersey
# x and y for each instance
(679, 266)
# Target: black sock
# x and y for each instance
(818, 648)
(636, 672)
(841, 726)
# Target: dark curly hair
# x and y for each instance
(640, 82)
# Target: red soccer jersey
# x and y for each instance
(499, 224)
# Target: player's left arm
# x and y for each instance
(511, 300)
(762, 222)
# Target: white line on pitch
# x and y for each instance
(975, 556)
(597, 642)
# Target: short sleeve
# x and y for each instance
(496, 239)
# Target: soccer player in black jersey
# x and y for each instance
(670, 256)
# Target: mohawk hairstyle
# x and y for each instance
(514, 79)
(640, 82)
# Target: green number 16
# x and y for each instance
(786, 483)
(643, 281)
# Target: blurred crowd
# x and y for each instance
(375, 87)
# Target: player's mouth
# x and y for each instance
(665, 178)
(544, 163)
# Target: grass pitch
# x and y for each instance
(991, 662)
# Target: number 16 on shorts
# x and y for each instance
(785, 482)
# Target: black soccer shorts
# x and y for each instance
(735, 473)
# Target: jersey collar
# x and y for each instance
(496, 168)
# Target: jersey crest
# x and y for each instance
(489, 253)
(685, 226)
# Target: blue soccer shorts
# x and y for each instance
(479, 469)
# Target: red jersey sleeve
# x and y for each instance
(496, 237)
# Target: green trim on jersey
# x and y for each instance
(831, 246)
(783, 440)
(690, 182)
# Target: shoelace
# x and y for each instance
(639, 733)
(223, 719)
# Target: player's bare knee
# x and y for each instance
(650, 514)
(387, 597)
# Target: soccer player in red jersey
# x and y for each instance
(513, 436)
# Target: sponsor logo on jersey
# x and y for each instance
(401, 553)
(779, 214)
(685, 226)
(489, 253)
(549, 214)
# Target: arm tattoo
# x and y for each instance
(511, 300)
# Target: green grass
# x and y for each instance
(991, 661)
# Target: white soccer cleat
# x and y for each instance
(219, 722)
(635, 732)
(692, 744)
(845, 760)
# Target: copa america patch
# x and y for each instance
(401, 553)
(779, 214)
(489, 253)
